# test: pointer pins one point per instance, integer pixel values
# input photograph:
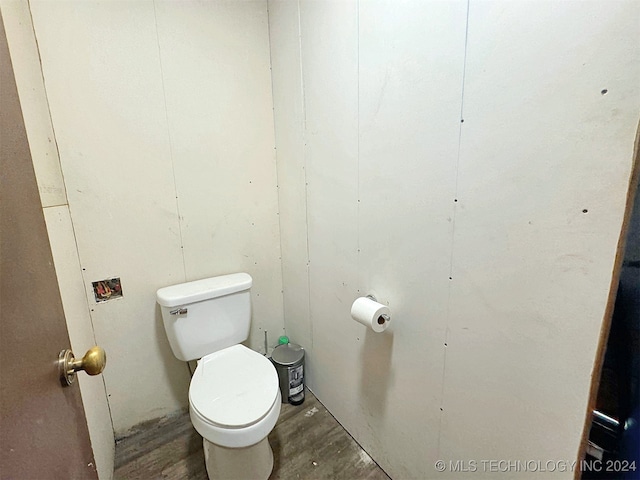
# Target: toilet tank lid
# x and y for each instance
(205, 289)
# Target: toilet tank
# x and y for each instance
(207, 315)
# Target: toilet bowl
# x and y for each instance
(234, 402)
(234, 399)
(234, 395)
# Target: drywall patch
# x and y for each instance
(109, 289)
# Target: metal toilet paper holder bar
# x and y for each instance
(385, 318)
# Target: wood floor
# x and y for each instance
(307, 443)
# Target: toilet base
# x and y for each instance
(254, 462)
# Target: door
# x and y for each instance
(43, 429)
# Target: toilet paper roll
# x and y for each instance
(371, 314)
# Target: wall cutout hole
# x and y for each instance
(604, 91)
(109, 289)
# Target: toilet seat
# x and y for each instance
(234, 397)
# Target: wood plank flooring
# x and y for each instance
(307, 443)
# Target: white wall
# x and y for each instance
(162, 113)
(473, 233)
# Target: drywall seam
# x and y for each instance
(46, 97)
(358, 271)
(275, 153)
(453, 228)
(74, 301)
(55, 140)
(304, 166)
(453, 231)
(173, 169)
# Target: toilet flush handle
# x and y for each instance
(178, 311)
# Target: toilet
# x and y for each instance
(234, 397)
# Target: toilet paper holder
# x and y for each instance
(384, 318)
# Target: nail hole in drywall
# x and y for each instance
(455, 199)
(584, 210)
(604, 91)
(445, 344)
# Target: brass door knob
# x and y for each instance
(92, 363)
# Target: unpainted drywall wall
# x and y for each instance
(163, 116)
(381, 188)
(468, 162)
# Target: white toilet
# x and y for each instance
(234, 398)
